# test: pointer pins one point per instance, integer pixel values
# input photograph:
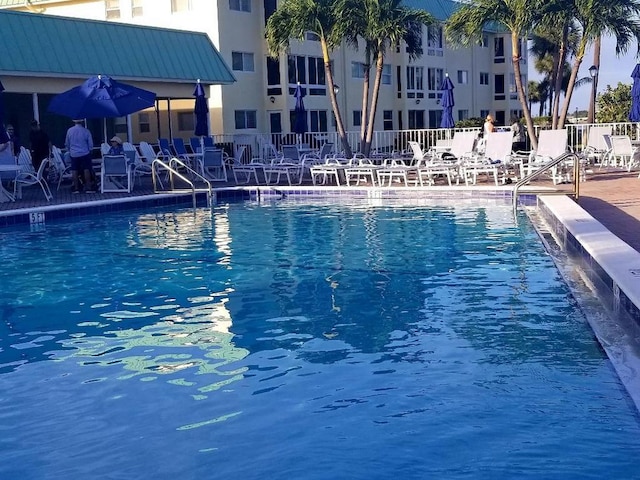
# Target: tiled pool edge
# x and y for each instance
(609, 259)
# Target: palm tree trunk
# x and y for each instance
(334, 101)
(594, 86)
(558, 67)
(567, 98)
(374, 102)
(365, 99)
(515, 48)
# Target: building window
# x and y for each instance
(436, 76)
(246, 119)
(312, 37)
(240, 5)
(242, 61)
(317, 120)
(498, 50)
(186, 122)
(357, 118)
(498, 87)
(386, 75)
(415, 82)
(435, 118)
(273, 77)
(112, 9)
(358, 69)
(484, 78)
(387, 118)
(435, 41)
(308, 71)
(463, 77)
(180, 6)
(143, 123)
(136, 8)
(416, 119)
(463, 115)
(484, 113)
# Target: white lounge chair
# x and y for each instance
(61, 170)
(596, 146)
(551, 144)
(497, 153)
(28, 176)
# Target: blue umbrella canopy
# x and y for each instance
(201, 112)
(101, 97)
(447, 103)
(634, 113)
(300, 121)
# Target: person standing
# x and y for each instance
(518, 142)
(40, 144)
(79, 144)
(15, 141)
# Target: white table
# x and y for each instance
(5, 195)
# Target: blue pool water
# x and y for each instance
(297, 341)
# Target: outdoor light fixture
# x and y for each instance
(593, 71)
(336, 89)
(417, 101)
(272, 99)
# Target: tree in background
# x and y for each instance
(614, 104)
(382, 24)
(293, 19)
(519, 17)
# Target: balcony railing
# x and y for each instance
(389, 141)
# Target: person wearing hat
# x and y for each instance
(40, 144)
(79, 144)
(116, 146)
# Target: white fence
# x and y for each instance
(263, 145)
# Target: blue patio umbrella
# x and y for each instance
(4, 137)
(300, 120)
(447, 103)
(634, 113)
(101, 97)
(201, 112)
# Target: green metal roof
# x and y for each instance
(440, 9)
(47, 45)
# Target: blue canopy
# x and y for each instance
(201, 112)
(300, 121)
(101, 97)
(634, 113)
(447, 103)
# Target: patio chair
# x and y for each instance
(28, 176)
(496, 157)
(551, 144)
(60, 171)
(213, 165)
(596, 146)
(140, 167)
(196, 146)
(623, 153)
(115, 174)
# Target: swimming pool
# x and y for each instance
(297, 340)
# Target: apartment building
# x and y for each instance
(261, 100)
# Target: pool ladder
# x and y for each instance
(172, 170)
(544, 168)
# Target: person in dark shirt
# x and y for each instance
(15, 141)
(40, 144)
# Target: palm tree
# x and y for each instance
(293, 19)
(381, 24)
(519, 17)
(617, 18)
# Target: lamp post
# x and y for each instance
(593, 73)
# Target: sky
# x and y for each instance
(612, 70)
